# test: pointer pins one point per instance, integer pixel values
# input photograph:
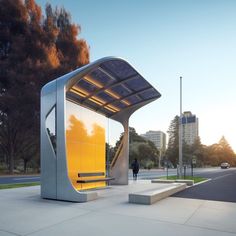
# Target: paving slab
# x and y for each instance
(5, 233)
(176, 211)
(222, 218)
(23, 212)
(101, 223)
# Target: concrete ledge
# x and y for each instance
(151, 196)
(189, 182)
(164, 181)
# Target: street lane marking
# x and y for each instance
(202, 182)
(26, 178)
(222, 176)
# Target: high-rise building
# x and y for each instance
(157, 137)
(190, 127)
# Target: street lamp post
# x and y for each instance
(180, 133)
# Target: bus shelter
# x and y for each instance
(73, 109)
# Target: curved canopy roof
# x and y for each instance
(111, 86)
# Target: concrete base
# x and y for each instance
(151, 196)
(80, 196)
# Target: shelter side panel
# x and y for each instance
(85, 145)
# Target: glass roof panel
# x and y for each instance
(91, 104)
(120, 105)
(119, 69)
(106, 111)
(110, 87)
(133, 99)
(150, 93)
(121, 90)
(101, 77)
(138, 83)
(74, 95)
(105, 97)
(86, 86)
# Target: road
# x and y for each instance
(151, 174)
(143, 174)
(221, 187)
(19, 179)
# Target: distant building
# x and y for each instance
(190, 127)
(157, 137)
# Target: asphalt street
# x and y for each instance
(152, 174)
(19, 179)
(143, 174)
(220, 187)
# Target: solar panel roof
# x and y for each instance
(110, 87)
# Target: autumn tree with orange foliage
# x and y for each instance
(34, 49)
(221, 152)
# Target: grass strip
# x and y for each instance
(195, 178)
(20, 185)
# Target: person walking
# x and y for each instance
(135, 168)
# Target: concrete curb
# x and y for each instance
(202, 182)
(186, 181)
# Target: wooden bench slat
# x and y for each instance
(88, 174)
(95, 180)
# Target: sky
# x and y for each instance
(163, 40)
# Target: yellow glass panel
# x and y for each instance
(85, 145)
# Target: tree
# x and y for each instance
(144, 150)
(213, 155)
(73, 52)
(33, 50)
(148, 154)
(18, 101)
(172, 151)
(219, 152)
(134, 152)
(198, 152)
(110, 153)
(134, 137)
(224, 152)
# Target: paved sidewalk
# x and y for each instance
(23, 212)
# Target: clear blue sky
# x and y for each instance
(164, 40)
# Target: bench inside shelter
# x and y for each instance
(92, 177)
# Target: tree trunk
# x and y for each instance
(25, 166)
(11, 163)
